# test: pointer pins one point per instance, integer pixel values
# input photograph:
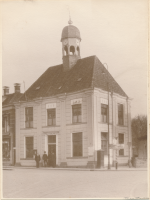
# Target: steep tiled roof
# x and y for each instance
(11, 98)
(87, 73)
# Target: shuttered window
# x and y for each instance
(29, 117)
(51, 117)
(77, 144)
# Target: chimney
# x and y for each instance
(17, 87)
(6, 90)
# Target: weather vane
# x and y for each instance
(69, 22)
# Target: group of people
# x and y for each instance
(48, 160)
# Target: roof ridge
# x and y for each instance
(93, 73)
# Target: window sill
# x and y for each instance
(27, 159)
(122, 156)
(105, 123)
(27, 128)
(121, 125)
(76, 123)
(50, 126)
(78, 157)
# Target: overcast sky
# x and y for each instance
(116, 31)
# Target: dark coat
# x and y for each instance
(37, 158)
(45, 157)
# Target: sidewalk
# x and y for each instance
(122, 168)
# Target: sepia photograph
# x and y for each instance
(74, 99)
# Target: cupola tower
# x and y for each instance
(70, 39)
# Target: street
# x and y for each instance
(48, 183)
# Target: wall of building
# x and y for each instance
(10, 135)
(91, 127)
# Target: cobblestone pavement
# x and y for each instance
(38, 183)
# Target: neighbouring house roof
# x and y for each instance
(11, 98)
(87, 73)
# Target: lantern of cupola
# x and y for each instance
(70, 39)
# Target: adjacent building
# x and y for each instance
(8, 124)
(67, 111)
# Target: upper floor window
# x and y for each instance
(120, 114)
(29, 117)
(76, 113)
(51, 117)
(77, 144)
(6, 123)
(104, 142)
(104, 111)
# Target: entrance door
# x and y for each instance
(52, 150)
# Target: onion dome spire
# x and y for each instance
(70, 21)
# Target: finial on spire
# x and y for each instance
(70, 21)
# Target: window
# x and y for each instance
(121, 138)
(104, 110)
(121, 141)
(29, 117)
(121, 152)
(29, 147)
(120, 114)
(6, 123)
(104, 142)
(77, 144)
(51, 117)
(52, 139)
(76, 113)
(6, 149)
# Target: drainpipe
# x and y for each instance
(129, 143)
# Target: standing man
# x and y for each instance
(37, 159)
(45, 157)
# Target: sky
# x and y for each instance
(116, 31)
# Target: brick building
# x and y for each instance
(66, 111)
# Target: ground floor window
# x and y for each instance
(104, 142)
(121, 152)
(6, 149)
(29, 147)
(77, 144)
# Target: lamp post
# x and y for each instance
(108, 116)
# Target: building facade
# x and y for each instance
(67, 111)
(8, 124)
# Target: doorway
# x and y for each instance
(52, 150)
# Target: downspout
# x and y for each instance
(129, 143)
